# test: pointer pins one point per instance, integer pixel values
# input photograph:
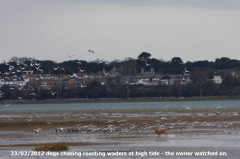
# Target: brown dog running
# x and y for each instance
(161, 132)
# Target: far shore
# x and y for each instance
(116, 100)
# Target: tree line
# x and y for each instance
(174, 66)
(201, 73)
(114, 90)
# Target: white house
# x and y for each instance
(13, 82)
(220, 73)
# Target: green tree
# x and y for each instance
(199, 75)
(144, 55)
(176, 61)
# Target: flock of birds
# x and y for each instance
(34, 66)
(24, 69)
(113, 125)
(125, 126)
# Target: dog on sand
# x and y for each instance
(159, 132)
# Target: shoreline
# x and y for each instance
(121, 130)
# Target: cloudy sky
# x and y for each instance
(49, 29)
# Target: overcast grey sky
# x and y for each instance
(49, 29)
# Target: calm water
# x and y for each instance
(117, 106)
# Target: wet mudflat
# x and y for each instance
(192, 133)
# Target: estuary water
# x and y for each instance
(217, 136)
(119, 106)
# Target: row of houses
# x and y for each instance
(156, 79)
(149, 78)
(47, 81)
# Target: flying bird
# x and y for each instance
(37, 130)
(186, 70)
(185, 73)
(147, 63)
(18, 62)
(31, 64)
(33, 94)
(37, 67)
(11, 68)
(69, 55)
(82, 85)
(91, 51)
(30, 59)
(6, 63)
(99, 61)
(70, 75)
(65, 117)
(53, 92)
(86, 76)
(20, 88)
(40, 70)
(6, 73)
(62, 69)
(55, 68)
(7, 104)
(24, 64)
(37, 64)
(81, 70)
